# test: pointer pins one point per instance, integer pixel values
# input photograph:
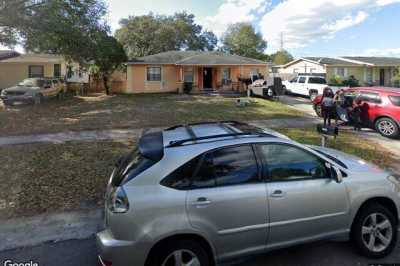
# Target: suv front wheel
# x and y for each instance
(387, 127)
(182, 252)
(374, 231)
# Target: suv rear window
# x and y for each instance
(314, 80)
(395, 100)
(129, 167)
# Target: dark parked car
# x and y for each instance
(380, 108)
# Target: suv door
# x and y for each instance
(301, 87)
(305, 203)
(228, 201)
(372, 106)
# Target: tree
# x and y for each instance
(53, 26)
(109, 56)
(75, 29)
(151, 34)
(281, 57)
(241, 39)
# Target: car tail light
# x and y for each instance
(117, 200)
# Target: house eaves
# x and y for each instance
(355, 61)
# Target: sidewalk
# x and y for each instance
(122, 134)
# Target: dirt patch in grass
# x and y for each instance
(132, 111)
(42, 178)
(347, 142)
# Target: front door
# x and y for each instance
(207, 77)
(305, 203)
(382, 77)
(228, 201)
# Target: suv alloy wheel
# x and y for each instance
(375, 231)
(387, 127)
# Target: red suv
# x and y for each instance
(381, 108)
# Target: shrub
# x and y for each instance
(335, 81)
(351, 82)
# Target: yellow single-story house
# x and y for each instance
(375, 71)
(168, 71)
(371, 71)
(15, 67)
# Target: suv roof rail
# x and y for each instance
(204, 123)
(181, 142)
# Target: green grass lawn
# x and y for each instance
(40, 178)
(132, 111)
(347, 142)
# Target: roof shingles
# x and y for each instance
(196, 58)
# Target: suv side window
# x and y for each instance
(316, 80)
(181, 178)
(235, 165)
(302, 80)
(286, 162)
(370, 97)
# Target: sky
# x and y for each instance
(307, 27)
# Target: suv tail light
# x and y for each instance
(117, 201)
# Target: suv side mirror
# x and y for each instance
(337, 174)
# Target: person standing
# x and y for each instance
(327, 106)
(341, 110)
(356, 113)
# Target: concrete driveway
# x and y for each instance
(300, 103)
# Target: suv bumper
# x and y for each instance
(16, 98)
(120, 252)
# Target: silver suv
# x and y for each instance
(203, 193)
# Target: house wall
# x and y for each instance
(360, 73)
(172, 77)
(303, 67)
(12, 73)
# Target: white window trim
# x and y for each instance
(154, 81)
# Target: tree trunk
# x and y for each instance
(105, 83)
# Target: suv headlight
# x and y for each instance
(395, 180)
(117, 201)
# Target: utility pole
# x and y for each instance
(281, 48)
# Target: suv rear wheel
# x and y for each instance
(374, 231)
(387, 127)
(182, 252)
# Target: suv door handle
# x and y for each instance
(202, 201)
(278, 194)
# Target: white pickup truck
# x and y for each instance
(306, 85)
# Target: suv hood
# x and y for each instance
(353, 163)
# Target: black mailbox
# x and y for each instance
(328, 130)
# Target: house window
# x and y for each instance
(340, 71)
(226, 75)
(70, 72)
(188, 74)
(154, 74)
(36, 71)
(57, 70)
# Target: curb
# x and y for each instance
(31, 231)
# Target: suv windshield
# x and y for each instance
(395, 100)
(31, 83)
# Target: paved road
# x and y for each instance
(302, 104)
(83, 253)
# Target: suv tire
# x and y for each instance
(183, 250)
(387, 127)
(368, 232)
